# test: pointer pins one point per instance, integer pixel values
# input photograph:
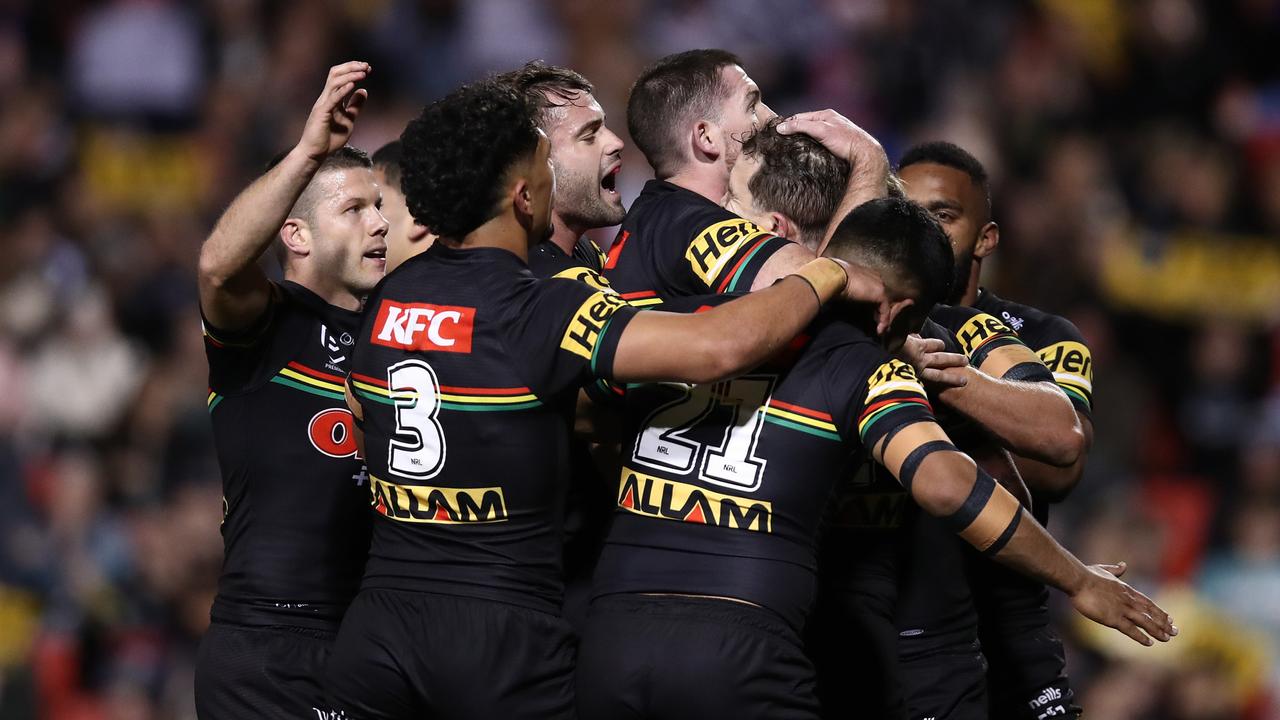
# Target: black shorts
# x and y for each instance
(853, 641)
(675, 657)
(1028, 677)
(946, 684)
(261, 672)
(403, 654)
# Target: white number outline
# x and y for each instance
(410, 399)
(669, 421)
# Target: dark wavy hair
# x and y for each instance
(797, 177)
(456, 154)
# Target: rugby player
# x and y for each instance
(791, 184)
(406, 237)
(464, 379)
(586, 156)
(688, 114)
(295, 521)
(709, 567)
(1027, 665)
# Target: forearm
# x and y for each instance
(251, 222)
(728, 339)
(1033, 552)
(1050, 482)
(1032, 419)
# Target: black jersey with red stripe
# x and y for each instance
(677, 243)
(295, 511)
(724, 485)
(467, 368)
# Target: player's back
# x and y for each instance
(724, 485)
(466, 421)
(295, 523)
(674, 243)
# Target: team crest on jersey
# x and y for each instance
(422, 326)
(588, 276)
(588, 321)
(980, 329)
(670, 500)
(332, 433)
(712, 249)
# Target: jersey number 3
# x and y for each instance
(663, 443)
(416, 393)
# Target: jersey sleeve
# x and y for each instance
(871, 394)
(725, 252)
(566, 333)
(1062, 349)
(977, 333)
(235, 355)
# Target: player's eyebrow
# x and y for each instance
(591, 127)
(943, 205)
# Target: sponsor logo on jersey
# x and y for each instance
(588, 321)
(422, 326)
(715, 246)
(670, 500)
(445, 506)
(1013, 321)
(1072, 368)
(893, 375)
(1046, 696)
(588, 276)
(332, 432)
(979, 330)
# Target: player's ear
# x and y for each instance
(894, 315)
(782, 226)
(417, 231)
(705, 140)
(522, 198)
(295, 235)
(988, 239)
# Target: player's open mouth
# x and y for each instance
(379, 254)
(610, 180)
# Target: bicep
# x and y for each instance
(788, 259)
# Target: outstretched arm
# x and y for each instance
(738, 335)
(234, 292)
(947, 484)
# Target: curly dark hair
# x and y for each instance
(457, 152)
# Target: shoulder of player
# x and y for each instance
(1037, 328)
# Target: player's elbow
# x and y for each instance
(1064, 446)
(1056, 486)
(210, 272)
(943, 484)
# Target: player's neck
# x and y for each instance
(502, 232)
(563, 234)
(970, 295)
(708, 180)
(325, 288)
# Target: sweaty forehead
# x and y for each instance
(567, 114)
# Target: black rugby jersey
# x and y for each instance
(1055, 339)
(723, 485)
(880, 544)
(295, 497)
(676, 243)
(467, 369)
(586, 264)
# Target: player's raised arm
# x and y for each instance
(947, 484)
(234, 292)
(738, 335)
(1008, 390)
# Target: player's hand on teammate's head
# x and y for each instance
(333, 116)
(841, 136)
(932, 363)
(1105, 599)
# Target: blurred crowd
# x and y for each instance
(1134, 147)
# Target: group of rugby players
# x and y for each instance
(825, 489)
